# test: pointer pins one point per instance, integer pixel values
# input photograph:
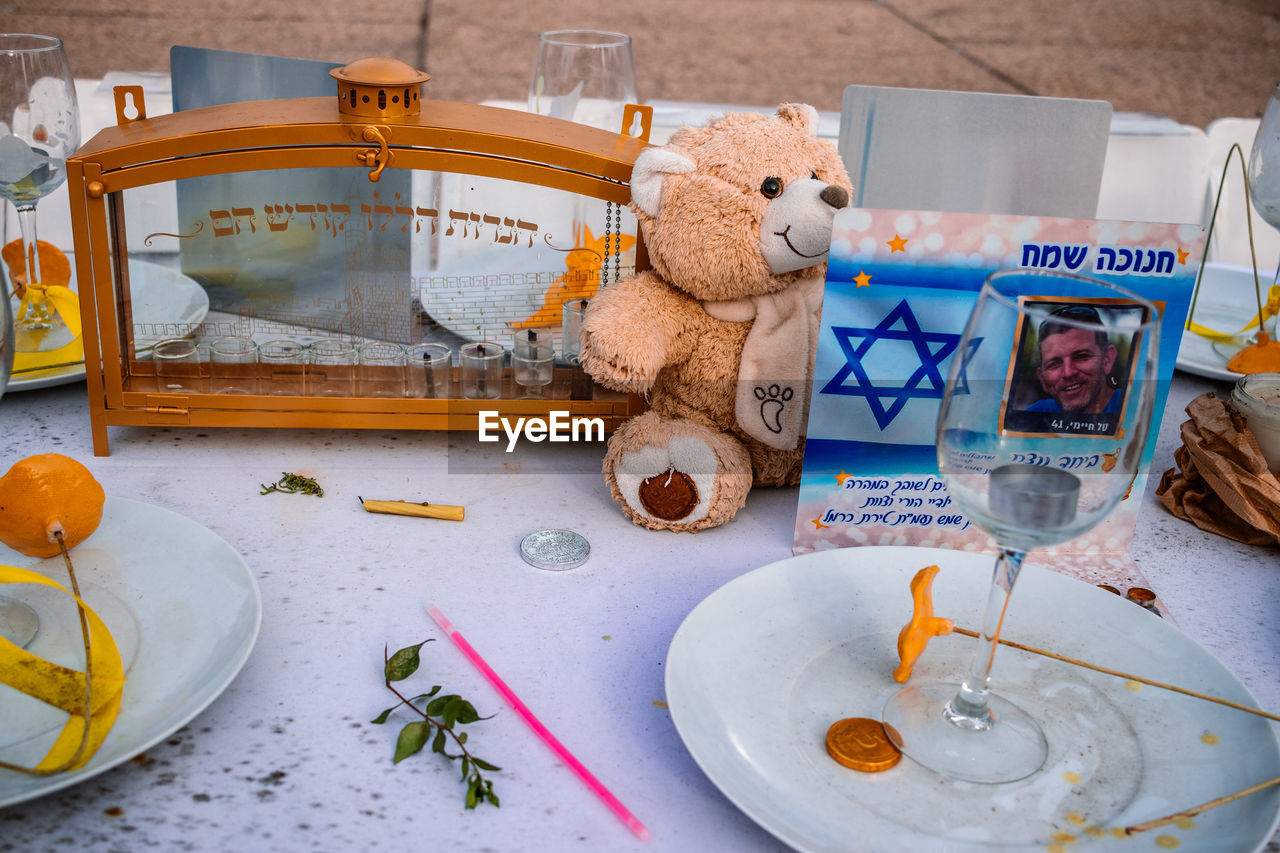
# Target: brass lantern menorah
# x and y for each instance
(300, 262)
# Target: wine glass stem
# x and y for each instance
(969, 708)
(38, 314)
(30, 256)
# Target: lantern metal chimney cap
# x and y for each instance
(380, 71)
(379, 87)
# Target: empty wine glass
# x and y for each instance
(1264, 176)
(39, 129)
(589, 77)
(1041, 432)
(586, 76)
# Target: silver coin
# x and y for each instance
(555, 550)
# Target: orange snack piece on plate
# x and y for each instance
(55, 266)
(1260, 357)
(923, 627)
(43, 496)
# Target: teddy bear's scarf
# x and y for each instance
(772, 401)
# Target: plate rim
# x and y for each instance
(43, 786)
(781, 831)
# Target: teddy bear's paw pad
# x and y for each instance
(670, 496)
(671, 483)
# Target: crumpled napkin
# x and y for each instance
(1224, 485)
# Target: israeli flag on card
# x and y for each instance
(884, 362)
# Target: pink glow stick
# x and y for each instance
(614, 804)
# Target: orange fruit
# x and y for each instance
(55, 266)
(44, 495)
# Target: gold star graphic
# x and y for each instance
(1182, 256)
(817, 524)
(841, 477)
(897, 244)
(862, 279)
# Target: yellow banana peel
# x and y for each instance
(1269, 310)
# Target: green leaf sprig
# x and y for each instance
(441, 715)
(293, 484)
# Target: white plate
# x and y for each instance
(760, 669)
(161, 297)
(185, 610)
(1227, 300)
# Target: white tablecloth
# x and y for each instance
(286, 759)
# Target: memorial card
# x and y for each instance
(900, 288)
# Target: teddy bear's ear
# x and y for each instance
(651, 169)
(802, 116)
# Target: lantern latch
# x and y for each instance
(378, 157)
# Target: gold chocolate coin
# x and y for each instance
(860, 743)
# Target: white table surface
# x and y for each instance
(286, 758)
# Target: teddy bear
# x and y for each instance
(720, 335)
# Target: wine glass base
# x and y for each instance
(18, 622)
(1010, 748)
(60, 641)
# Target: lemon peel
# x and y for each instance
(66, 689)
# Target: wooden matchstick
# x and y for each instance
(1259, 712)
(1203, 807)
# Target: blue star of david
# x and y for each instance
(926, 382)
(962, 376)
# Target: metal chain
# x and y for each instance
(617, 242)
(612, 242)
(608, 237)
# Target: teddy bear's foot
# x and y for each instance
(676, 474)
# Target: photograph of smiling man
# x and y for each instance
(1071, 370)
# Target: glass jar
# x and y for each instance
(1257, 397)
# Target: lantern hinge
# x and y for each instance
(168, 410)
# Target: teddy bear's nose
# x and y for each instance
(835, 196)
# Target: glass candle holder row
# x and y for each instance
(333, 367)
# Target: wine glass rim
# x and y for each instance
(1150, 320)
(42, 42)
(584, 38)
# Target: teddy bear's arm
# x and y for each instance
(630, 331)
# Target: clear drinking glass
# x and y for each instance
(586, 76)
(39, 129)
(381, 371)
(481, 364)
(430, 367)
(283, 366)
(533, 361)
(331, 368)
(177, 363)
(574, 311)
(1052, 370)
(233, 365)
(1264, 177)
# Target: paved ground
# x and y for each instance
(1194, 60)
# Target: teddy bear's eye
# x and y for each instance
(813, 175)
(771, 188)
